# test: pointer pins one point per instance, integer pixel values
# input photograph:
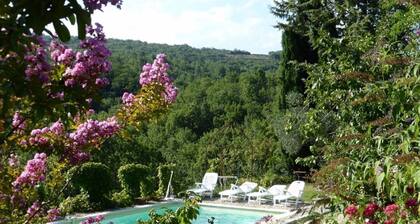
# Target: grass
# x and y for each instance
(309, 192)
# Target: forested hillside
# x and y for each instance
(224, 120)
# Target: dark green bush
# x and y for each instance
(135, 179)
(164, 173)
(94, 178)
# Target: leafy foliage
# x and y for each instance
(183, 215)
(94, 178)
(366, 81)
(77, 203)
(133, 178)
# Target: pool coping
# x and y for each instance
(281, 210)
(285, 213)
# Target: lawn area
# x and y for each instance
(309, 192)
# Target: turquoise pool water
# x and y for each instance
(221, 215)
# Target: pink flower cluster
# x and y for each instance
(18, 122)
(53, 214)
(391, 209)
(157, 73)
(411, 202)
(61, 54)
(88, 64)
(92, 131)
(40, 137)
(92, 5)
(38, 66)
(33, 209)
(77, 156)
(91, 220)
(13, 160)
(34, 172)
(351, 210)
(370, 210)
(128, 98)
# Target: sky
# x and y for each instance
(225, 24)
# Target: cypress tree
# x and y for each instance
(296, 48)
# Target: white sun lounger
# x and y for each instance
(207, 186)
(295, 190)
(236, 191)
(266, 195)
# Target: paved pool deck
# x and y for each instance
(288, 212)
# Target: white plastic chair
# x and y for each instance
(207, 186)
(236, 191)
(295, 190)
(264, 194)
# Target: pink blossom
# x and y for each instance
(58, 95)
(34, 172)
(91, 132)
(53, 214)
(370, 209)
(42, 137)
(101, 82)
(57, 128)
(371, 221)
(128, 98)
(91, 220)
(411, 202)
(33, 209)
(90, 112)
(391, 209)
(92, 5)
(37, 63)
(389, 221)
(13, 160)
(351, 210)
(157, 73)
(85, 67)
(18, 122)
(61, 54)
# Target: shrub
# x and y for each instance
(95, 179)
(185, 214)
(134, 179)
(78, 203)
(122, 199)
(270, 178)
(164, 173)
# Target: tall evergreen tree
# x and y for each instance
(295, 48)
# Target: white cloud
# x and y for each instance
(241, 24)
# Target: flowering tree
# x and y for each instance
(45, 107)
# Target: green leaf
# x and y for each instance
(379, 181)
(72, 19)
(61, 30)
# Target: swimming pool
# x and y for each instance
(221, 215)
